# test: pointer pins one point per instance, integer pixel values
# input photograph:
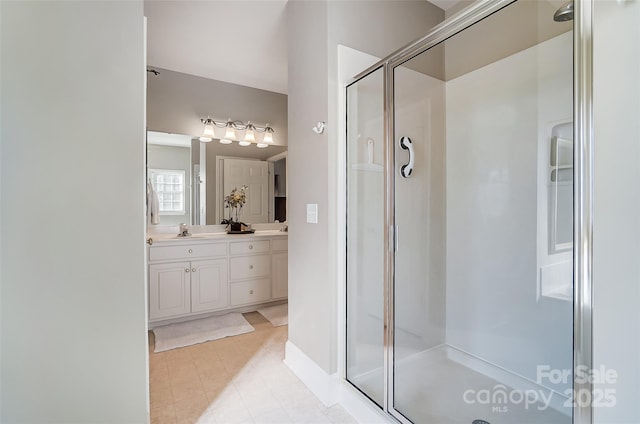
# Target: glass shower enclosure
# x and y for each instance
(460, 263)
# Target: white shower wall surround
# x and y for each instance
(508, 108)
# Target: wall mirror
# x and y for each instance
(191, 179)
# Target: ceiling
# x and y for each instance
(238, 41)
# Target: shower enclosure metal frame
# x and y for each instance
(583, 184)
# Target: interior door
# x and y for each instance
(255, 175)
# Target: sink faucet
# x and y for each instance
(184, 230)
(285, 227)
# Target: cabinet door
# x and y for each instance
(209, 288)
(169, 290)
(280, 275)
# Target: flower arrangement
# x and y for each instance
(235, 201)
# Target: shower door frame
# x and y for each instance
(583, 185)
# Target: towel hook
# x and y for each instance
(319, 128)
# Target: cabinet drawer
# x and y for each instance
(244, 247)
(254, 291)
(187, 251)
(249, 267)
(279, 244)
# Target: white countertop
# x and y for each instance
(204, 237)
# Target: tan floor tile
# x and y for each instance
(338, 415)
(232, 414)
(192, 408)
(225, 397)
(160, 395)
(209, 365)
(187, 390)
(276, 416)
(165, 414)
(234, 380)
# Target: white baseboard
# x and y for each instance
(324, 386)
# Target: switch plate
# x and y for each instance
(312, 213)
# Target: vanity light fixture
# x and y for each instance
(268, 134)
(230, 133)
(249, 134)
(231, 127)
(208, 132)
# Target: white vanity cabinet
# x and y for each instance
(169, 290)
(191, 277)
(279, 269)
(250, 271)
(183, 287)
(209, 287)
(180, 288)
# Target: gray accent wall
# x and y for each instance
(73, 315)
(316, 28)
(177, 101)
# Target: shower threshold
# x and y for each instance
(445, 385)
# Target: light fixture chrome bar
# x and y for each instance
(237, 125)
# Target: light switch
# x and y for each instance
(312, 213)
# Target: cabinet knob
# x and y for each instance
(250, 266)
(187, 270)
(193, 270)
(149, 241)
(190, 250)
(250, 246)
(250, 291)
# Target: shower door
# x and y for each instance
(365, 236)
(481, 133)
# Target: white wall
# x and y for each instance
(496, 118)
(616, 234)
(311, 303)
(316, 28)
(73, 289)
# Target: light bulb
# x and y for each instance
(262, 145)
(230, 133)
(268, 138)
(249, 135)
(244, 143)
(225, 141)
(205, 139)
(208, 131)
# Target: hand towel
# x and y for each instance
(153, 205)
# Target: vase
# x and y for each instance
(235, 226)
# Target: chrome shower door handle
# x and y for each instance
(407, 144)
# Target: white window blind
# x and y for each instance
(169, 185)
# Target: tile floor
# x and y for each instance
(239, 379)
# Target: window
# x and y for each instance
(169, 185)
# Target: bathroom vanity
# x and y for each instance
(215, 273)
